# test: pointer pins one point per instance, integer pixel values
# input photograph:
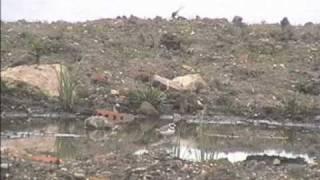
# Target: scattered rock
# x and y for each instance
(143, 76)
(99, 78)
(147, 109)
(186, 67)
(5, 166)
(276, 162)
(141, 152)
(114, 92)
(170, 41)
(98, 122)
(191, 82)
(317, 118)
(79, 175)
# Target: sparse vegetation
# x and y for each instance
(67, 88)
(229, 105)
(170, 41)
(250, 71)
(37, 49)
(296, 106)
(239, 57)
(4, 87)
(152, 95)
(308, 87)
(39, 46)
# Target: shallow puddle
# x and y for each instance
(69, 140)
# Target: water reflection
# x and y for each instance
(238, 143)
(196, 154)
(191, 142)
(66, 147)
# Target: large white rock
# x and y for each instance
(43, 77)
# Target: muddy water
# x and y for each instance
(68, 139)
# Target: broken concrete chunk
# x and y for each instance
(191, 82)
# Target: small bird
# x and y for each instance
(175, 13)
(167, 130)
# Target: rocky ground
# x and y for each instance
(259, 70)
(158, 166)
(256, 71)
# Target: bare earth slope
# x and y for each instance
(255, 70)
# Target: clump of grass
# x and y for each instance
(295, 106)
(171, 41)
(152, 95)
(38, 49)
(229, 105)
(308, 87)
(4, 87)
(39, 46)
(67, 88)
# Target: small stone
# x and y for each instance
(282, 65)
(64, 169)
(314, 49)
(186, 67)
(276, 162)
(114, 92)
(317, 118)
(5, 166)
(79, 175)
(141, 152)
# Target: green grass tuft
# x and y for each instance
(152, 95)
(67, 89)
